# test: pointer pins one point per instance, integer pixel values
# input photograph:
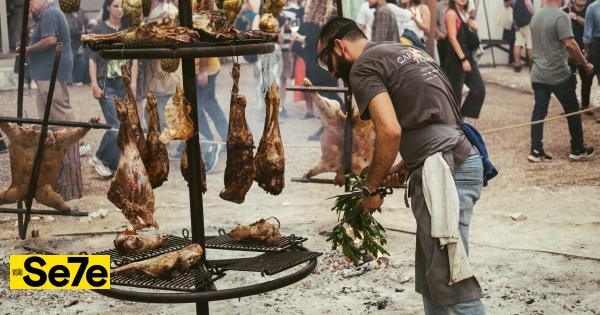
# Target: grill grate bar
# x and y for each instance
(189, 280)
(272, 263)
(226, 242)
(173, 243)
(140, 45)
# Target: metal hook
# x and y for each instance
(234, 83)
(104, 84)
(152, 77)
(237, 59)
(178, 78)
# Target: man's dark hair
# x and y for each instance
(334, 25)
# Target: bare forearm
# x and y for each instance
(386, 150)
(45, 43)
(576, 54)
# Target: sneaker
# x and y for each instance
(589, 112)
(85, 148)
(308, 116)
(210, 155)
(536, 156)
(100, 167)
(176, 156)
(583, 153)
(78, 83)
(33, 86)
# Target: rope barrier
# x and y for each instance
(540, 121)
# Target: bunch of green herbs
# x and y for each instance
(364, 227)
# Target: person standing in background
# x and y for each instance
(107, 84)
(461, 67)
(441, 32)
(364, 18)
(421, 18)
(385, 28)
(154, 77)
(576, 12)
(289, 18)
(522, 14)
(317, 13)
(51, 28)
(505, 20)
(553, 44)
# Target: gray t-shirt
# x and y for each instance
(420, 96)
(549, 27)
(51, 22)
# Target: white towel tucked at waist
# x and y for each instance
(442, 201)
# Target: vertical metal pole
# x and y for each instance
(24, 34)
(193, 147)
(487, 22)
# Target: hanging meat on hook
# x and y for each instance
(159, 32)
(203, 5)
(130, 189)
(132, 9)
(239, 169)
(332, 140)
(166, 266)
(130, 242)
(157, 164)
(133, 115)
(177, 115)
(23, 148)
(269, 161)
(185, 168)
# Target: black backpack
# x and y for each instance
(521, 16)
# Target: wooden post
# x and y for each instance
(68, 182)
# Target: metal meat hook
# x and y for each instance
(152, 77)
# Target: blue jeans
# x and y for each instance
(468, 181)
(565, 93)
(108, 152)
(432, 273)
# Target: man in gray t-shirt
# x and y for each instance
(552, 44)
(414, 112)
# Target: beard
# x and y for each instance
(343, 70)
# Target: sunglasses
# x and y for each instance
(328, 65)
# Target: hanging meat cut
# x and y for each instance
(130, 189)
(157, 164)
(269, 161)
(185, 168)
(134, 115)
(332, 140)
(239, 170)
(166, 266)
(22, 150)
(130, 242)
(177, 115)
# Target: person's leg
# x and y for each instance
(586, 88)
(442, 47)
(203, 126)
(565, 93)
(456, 76)
(474, 100)
(213, 109)
(541, 95)
(108, 151)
